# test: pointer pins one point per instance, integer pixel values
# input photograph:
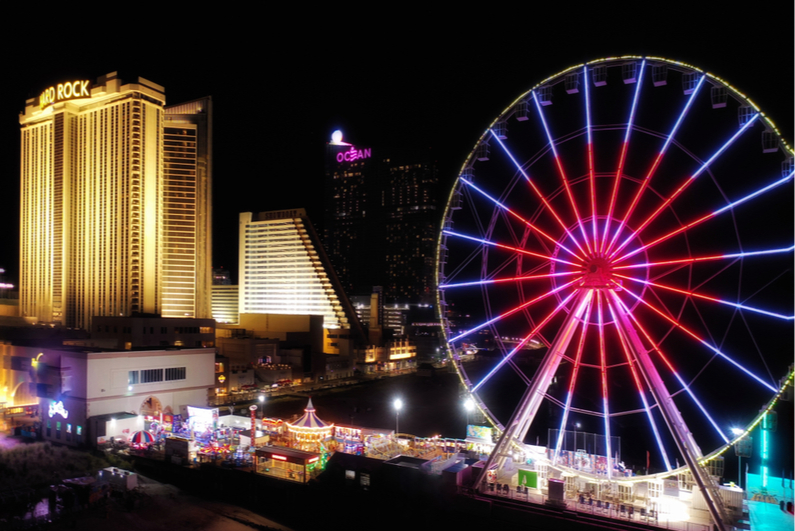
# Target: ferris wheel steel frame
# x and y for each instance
(592, 258)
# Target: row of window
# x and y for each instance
(163, 329)
(58, 426)
(156, 375)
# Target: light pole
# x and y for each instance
(742, 447)
(398, 404)
(469, 405)
(261, 402)
(253, 410)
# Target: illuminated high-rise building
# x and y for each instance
(108, 195)
(381, 219)
(353, 216)
(226, 303)
(409, 198)
(187, 221)
(284, 270)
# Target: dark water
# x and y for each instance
(431, 406)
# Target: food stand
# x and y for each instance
(286, 463)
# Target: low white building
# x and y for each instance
(74, 386)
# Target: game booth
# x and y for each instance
(202, 422)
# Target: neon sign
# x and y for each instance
(354, 154)
(57, 408)
(63, 92)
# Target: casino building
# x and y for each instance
(86, 394)
(381, 220)
(115, 193)
(284, 270)
(187, 216)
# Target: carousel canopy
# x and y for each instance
(310, 419)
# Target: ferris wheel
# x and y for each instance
(621, 238)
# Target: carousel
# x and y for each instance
(309, 431)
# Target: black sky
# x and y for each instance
(282, 81)
(281, 84)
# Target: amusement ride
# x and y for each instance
(634, 216)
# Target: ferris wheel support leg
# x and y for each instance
(523, 415)
(673, 418)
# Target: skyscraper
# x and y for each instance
(187, 219)
(97, 186)
(409, 198)
(352, 217)
(381, 219)
(284, 270)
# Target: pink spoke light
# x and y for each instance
(697, 338)
(659, 352)
(508, 247)
(622, 157)
(562, 173)
(589, 140)
(573, 379)
(702, 219)
(520, 218)
(707, 298)
(639, 386)
(685, 184)
(655, 165)
(706, 258)
(511, 279)
(527, 338)
(603, 370)
(514, 310)
(538, 193)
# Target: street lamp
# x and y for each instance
(469, 405)
(261, 402)
(742, 447)
(398, 404)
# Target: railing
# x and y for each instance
(619, 511)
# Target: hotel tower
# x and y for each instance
(114, 203)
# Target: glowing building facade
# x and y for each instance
(105, 226)
(187, 220)
(226, 303)
(284, 270)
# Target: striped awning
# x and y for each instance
(142, 437)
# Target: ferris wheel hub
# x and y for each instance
(597, 272)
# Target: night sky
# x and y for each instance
(280, 87)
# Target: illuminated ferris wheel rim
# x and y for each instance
(571, 228)
(675, 65)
